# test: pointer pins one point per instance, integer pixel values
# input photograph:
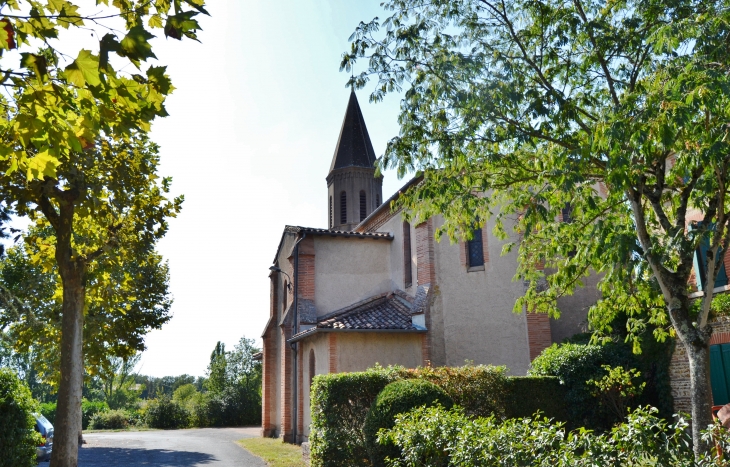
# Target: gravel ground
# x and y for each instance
(169, 448)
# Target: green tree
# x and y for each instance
(133, 298)
(234, 384)
(17, 438)
(610, 116)
(62, 129)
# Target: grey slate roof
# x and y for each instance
(354, 148)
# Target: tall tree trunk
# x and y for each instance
(68, 413)
(699, 374)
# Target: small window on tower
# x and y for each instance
(377, 200)
(331, 218)
(363, 206)
(343, 208)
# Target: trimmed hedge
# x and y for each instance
(397, 398)
(340, 403)
(17, 437)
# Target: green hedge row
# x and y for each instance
(340, 403)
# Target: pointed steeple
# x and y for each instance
(354, 148)
(352, 187)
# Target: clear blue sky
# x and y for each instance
(253, 125)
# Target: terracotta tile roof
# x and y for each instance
(389, 312)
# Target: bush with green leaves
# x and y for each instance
(435, 437)
(89, 409)
(167, 414)
(110, 420)
(340, 403)
(575, 364)
(17, 437)
(397, 398)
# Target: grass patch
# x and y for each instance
(274, 452)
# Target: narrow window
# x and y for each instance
(377, 200)
(407, 264)
(475, 249)
(331, 219)
(311, 366)
(567, 213)
(286, 296)
(363, 206)
(343, 208)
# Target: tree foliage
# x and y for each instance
(74, 156)
(593, 133)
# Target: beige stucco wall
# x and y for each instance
(356, 352)
(348, 270)
(319, 344)
(395, 227)
(476, 309)
(359, 351)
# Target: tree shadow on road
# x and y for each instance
(104, 456)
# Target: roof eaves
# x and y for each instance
(299, 336)
(386, 204)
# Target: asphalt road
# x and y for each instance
(169, 448)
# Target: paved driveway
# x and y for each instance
(169, 448)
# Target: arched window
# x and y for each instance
(331, 214)
(343, 208)
(363, 206)
(407, 264)
(311, 366)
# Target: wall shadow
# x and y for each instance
(104, 456)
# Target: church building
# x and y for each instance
(372, 288)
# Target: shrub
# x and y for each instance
(109, 420)
(435, 437)
(479, 389)
(164, 413)
(525, 395)
(397, 398)
(340, 403)
(575, 364)
(17, 437)
(48, 410)
(88, 410)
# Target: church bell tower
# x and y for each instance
(353, 190)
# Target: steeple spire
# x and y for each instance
(354, 148)
(354, 190)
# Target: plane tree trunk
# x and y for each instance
(72, 269)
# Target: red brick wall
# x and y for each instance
(332, 352)
(539, 336)
(286, 386)
(425, 263)
(269, 367)
(300, 397)
(426, 274)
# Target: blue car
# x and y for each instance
(44, 427)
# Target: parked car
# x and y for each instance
(44, 427)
